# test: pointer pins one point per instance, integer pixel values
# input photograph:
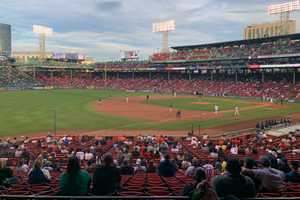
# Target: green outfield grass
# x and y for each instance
(33, 112)
(190, 103)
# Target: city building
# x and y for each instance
(25, 57)
(271, 29)
(5, 39)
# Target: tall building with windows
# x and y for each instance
(270, 29)
(5, 39)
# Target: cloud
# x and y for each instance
(101, 28)
(108, 6)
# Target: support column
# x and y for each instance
(190, 75)
(236, 76)
(150, 75)
(165, 46)
(34, 73)
(71, 74)
(294, 77)
(263, 76)
(212, 75)
(168, 75)
(105, 78)
(132, 74)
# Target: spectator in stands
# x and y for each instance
(271, 179)
(74, 182)
(151, 168)
(22, 167)
(199, 176)
(25, 155)
(283, 165)
(250, 164)
(166, 168)
(80, 155)
(192, 168)
(294, 175)
(18, 152)
(5, 172)
(88, 156)
(126, 169)
(37, 175)
(106, 178)
(139, 167)
(233, 182)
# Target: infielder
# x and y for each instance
(216, 109)
(236, 111)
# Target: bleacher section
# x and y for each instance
(12, 78)
(150, 184)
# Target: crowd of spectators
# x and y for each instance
(11, 77)
(242, 166)
(268, 90)
(232, 51)
(123, 64)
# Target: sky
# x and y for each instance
(103, 28)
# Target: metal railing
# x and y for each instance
(34, 197)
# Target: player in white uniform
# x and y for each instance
(236, 111)
(216, 109)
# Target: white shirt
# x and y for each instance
(80, 155)
(88, 156)
(234, 150)
(18, 153)
(216, 108)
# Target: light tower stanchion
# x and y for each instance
(164, 27)
(165, 42)
(42, 45)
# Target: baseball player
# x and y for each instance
(216, 109)
(236, 111)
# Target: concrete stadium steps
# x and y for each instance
(283, 131)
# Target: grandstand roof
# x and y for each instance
(239, 42)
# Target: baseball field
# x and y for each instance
(34, 112)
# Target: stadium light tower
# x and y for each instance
(43, 32)
(164, 27)
(284, 9)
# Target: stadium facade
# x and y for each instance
(260, 60)
(5, 39)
